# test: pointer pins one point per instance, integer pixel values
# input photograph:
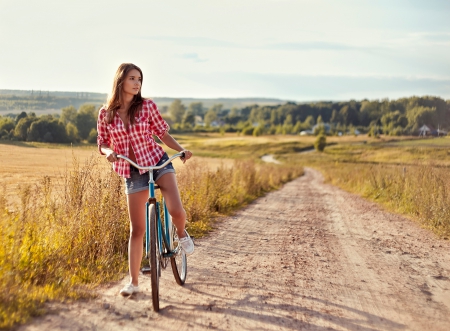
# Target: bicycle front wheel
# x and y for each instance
(154, 256)
(178, 261)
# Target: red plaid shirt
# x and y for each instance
(148, 122)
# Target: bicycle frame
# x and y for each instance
(163, 237)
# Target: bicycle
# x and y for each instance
(161, 240)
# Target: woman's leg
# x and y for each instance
(136, 211)
(169, 190)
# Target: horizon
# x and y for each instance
(237, 98)
(298, 50)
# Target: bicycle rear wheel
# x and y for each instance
(179, 260)
(154, 256)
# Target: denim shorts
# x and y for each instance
(138, 182)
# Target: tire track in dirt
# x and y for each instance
(306, 257)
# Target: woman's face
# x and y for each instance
(132, 83)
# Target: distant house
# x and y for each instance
(199, 121)
(425, 130)
(441, 132)
(428, 130)
(306, 133)
(326, 126)
(217, 123)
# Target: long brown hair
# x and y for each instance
(115, 100)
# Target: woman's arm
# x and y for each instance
(170, 142)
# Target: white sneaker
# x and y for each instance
(187, 244)
(129, 289)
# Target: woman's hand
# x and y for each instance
(111, 156)
(187, 155)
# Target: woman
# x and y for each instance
(125, 126)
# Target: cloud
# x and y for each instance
(193, 41)
(437, 37)
(308, 46)
(322, 87)
(193, 56)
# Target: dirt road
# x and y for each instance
(307, 257)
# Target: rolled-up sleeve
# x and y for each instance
(158, 125)
(102, 131)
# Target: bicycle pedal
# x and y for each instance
(146, 270)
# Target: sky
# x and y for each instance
(299, 50)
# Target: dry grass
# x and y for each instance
(68, 227)
(207, 193)
(27, 163)
(56, 241)
(420, 191)
(408, 179)
(24, 163)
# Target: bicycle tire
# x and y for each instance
(178, 261)
(154, 263)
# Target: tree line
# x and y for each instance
(71, 126)
(393, 117)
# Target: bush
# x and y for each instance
(6, 124)
(22, 127)
(258, 131)
(72, 133)
(320, 143)
(47, 129)
(248, 131)
(92, 138)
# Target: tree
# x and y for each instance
(20, 116)
(288, 125)
(288, 121)
(47, 129)
(210, 116)
(233, 116)
(320, 143)
(258, 131)
(7, 124)
(22, 127)
(297, 127)
(72, 133)
(92, 138)
(86, 120)
(370, 111)
(334, 117)
(309, 122)
(196, 108)
(188, 119)
(274, 117)
(391, 121)
(248, 130)
(217, 108)
(177, 110)
(419, 116)
(68, 114)
(349, 115)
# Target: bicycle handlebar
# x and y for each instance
(181, 154)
